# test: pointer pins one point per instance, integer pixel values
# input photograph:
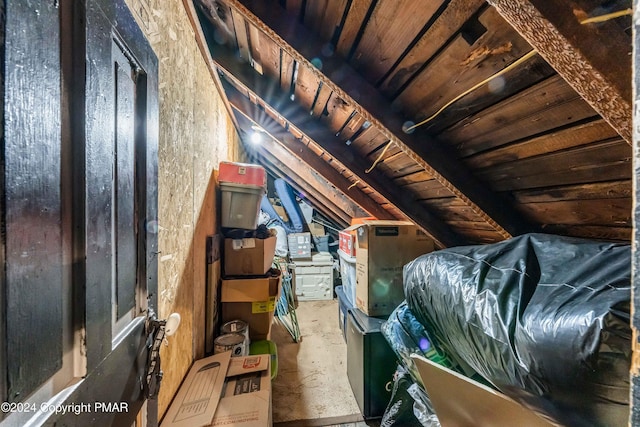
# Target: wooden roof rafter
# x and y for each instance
(578, 54)
(261, 87)
(433, 156)
(334, 207)
(296, 148)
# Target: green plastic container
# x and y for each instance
(266, 347)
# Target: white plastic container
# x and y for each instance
(314, 279)
(348, 275)
(240, 205)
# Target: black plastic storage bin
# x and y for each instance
(370, 363)
(343, 308)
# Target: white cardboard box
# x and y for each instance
(384, 247)
(246, 401)
(223, 391)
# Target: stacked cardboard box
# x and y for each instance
(250, 288)
(253, 300)
(382, 250)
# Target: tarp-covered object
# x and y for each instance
(543, 318)
(406, 336)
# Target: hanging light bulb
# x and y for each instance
(256, 137)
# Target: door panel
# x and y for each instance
(117, 247)
(30, 175)
(124, 194)
(78, 210)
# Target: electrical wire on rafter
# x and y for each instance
(386, 147)
(607, 16)
(409, 129)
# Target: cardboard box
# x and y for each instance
(384, 247)
(461, 401)
(347, 240)
(221, 390)
(248, 257)
(196, 401)
(247, 396)
(317, 229)
(280, 211)
(252, 300)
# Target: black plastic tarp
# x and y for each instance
(407, 336)
(543, 318)
(409, 405)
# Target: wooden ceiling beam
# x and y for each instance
(583, 54)
(296, 148)
(433, 156)
(267, 90)
(312, 187)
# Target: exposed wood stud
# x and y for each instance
(240, 28)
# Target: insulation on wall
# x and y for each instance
(196, 133)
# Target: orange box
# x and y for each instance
(356, 221)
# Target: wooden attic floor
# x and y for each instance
(311, 388)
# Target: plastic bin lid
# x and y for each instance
(241, 188)
(322, 257)
(345, 257)
(366, 324)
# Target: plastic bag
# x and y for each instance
(406, 336)
(544, 318)
(409, 405)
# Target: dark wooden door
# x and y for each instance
(78, 212)
(114, 106)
